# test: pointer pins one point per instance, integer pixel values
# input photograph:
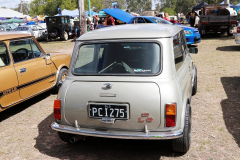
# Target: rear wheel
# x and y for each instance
(65, 36)
(183, 144)
(61, 77)
(228, 33)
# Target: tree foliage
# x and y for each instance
(96, 5)
(49, 7)
(108, 3)
(22, 8)
(139, 6)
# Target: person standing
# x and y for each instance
(192, 17)
(109, 21)
(166, 16)
(95, 20)
(179, 15)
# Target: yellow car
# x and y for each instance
(26, 70)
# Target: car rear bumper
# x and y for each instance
(117, 134)
(237, 38)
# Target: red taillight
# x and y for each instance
(57, 109)
(205, 23)
(238, 30)
(171, 111)
(233, 22)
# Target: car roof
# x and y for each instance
(132, 31)
(13, 35)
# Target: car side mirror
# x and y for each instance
(47, 56)
(193, 50)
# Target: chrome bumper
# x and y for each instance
(237, 38)
(117, 134)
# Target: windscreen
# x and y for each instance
(21, 29)
(118, 58)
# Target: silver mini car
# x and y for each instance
(129, 82)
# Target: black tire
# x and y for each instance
(194, 89)
(183, 144)
(65, 36)
(62, 74)
(229, 34)
(65, 137)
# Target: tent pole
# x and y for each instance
(89, 8)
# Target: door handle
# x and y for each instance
(22, 70)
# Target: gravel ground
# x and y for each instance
(26, 134)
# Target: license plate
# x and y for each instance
(115, 111)
(223, 27)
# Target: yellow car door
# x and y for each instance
(33, 70)
(9, 91)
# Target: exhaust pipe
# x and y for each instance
(76, 138)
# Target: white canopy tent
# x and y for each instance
(8, 13)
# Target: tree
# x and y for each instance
(139, 6)
(96, 5)
(22, 7)
(49, 7)
(108, 4)
(3, 7)
(82, 17)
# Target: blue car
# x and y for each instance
(192, 34)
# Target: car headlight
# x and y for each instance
(187, 32)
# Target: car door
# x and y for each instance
(9, 91)
(34, 74)
(183, 73)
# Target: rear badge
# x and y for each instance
(108, 95)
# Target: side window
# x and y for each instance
(62, 20)
(4, 56)
(141, 20)
(147, 21)
(36, 51)
(184, 40)
(21, 50)
(34, 28)
(134, 21)
(66, 20)
(179, 50)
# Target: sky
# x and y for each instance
(14, 3)
(10, 3)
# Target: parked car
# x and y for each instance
(192, 34)
(37, 31)
(58, 26)
(129, 82)
(26, 70)
(237, 35)
(4, 28)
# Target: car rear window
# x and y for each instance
(118, 58)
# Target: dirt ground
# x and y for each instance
(26, 134)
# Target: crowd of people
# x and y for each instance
(96, 22)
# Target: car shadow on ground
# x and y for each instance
(229, 48)
(231, 106)
(48, 142)
(22, 106)
(213, 36)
